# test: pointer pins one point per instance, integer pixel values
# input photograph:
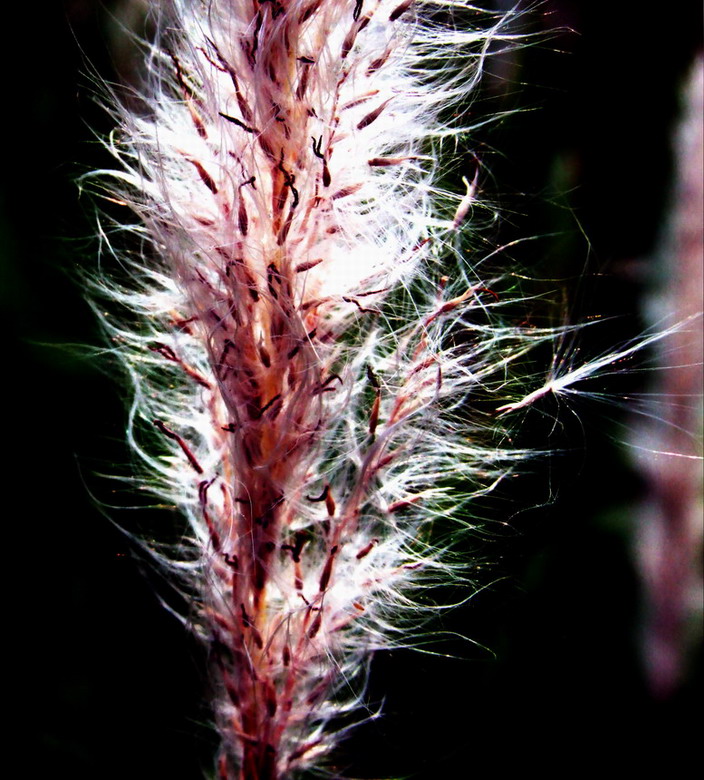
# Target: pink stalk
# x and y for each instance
(302, 349)
(668, 443)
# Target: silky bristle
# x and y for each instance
(307, 337)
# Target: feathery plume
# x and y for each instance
(667, 442)
(300, 354)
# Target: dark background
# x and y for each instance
(109, 685)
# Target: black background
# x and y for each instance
(109, 685)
